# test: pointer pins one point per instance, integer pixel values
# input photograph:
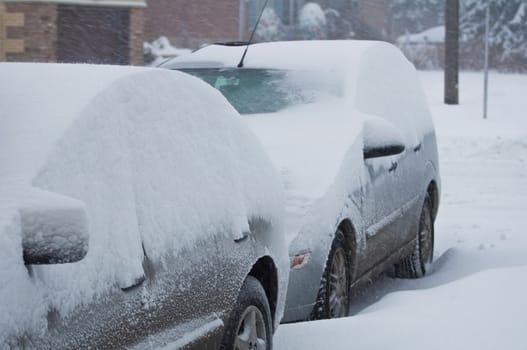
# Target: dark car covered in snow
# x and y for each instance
(138, 211)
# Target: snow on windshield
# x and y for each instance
(266, 91)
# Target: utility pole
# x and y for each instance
(452, 52)
(486, 67)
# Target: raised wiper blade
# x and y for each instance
(234, 43)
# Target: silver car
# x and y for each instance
(347, 125)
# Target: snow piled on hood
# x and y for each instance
(308, 147)
(158, 158)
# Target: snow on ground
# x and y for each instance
(475, 296)
(434, 35)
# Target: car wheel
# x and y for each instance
(250, 324)
(334, 293)
(415, 264)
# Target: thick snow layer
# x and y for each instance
(157, 158)
(329, 55)
(466, 314)
(54, 228)
(475, 296)
(378, 132)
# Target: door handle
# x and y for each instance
(393, 167)
(245, 235)
(136, 283)
(418, 147)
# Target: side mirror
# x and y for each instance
(381, 139)
(54, 230)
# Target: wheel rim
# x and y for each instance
(338, 285)
(425, 237)
(251, 334)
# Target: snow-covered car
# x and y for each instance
(348, 127)
(138, 211)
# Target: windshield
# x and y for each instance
(253, 91)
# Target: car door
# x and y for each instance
(384, 152)
(389, 92)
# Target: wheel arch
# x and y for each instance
(433, 192)
(265, 271)
(346, 226)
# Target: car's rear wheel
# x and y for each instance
(250, 324)
(334, 293)
(416, 264)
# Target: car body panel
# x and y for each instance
(174, 301)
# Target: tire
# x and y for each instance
(250, 323)
(416, 264)
(334, 292)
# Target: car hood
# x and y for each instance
(309, 145)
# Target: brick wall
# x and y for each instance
(190, 23)
(137, 24)
(34, 35)
(373, 13)
(29, 33)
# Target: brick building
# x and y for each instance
(95, 31)
(190, 23)
(113, 31)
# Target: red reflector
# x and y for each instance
(299, 261)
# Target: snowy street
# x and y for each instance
(474, 297)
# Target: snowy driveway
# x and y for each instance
(475, 296)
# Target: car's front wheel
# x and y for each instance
(334, 293)
(250, 324)
(415, 265)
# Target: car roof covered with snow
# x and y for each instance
(298, 55)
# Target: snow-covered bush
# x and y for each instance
(413, 16)
(507, 34)
(337, 27)
(270, 27)
(426, 49)
(312, 22)
(161, 49)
